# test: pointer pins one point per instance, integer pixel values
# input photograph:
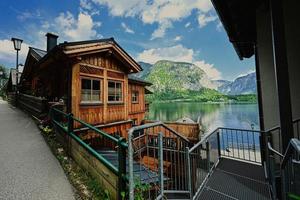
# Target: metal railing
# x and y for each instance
(231, 143)
(64, 123)
(157, 161)
(296, 125)
(174, 167)
(272, 142)
(289, 168)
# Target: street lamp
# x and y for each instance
(17, 45)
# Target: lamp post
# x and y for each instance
(17, 45)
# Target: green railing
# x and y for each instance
(65, 123)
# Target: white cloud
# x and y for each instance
(203, 19)
(22, 16)
(209, 69)
(187, 24)
(87, 7)
(219, 26)
(126, 28)
(161, 30)
(73, 29)
(177, 38)
(85, 4)
(8, 53)
(66, 25)
(175, 53)
(162, 12)
(122, 8)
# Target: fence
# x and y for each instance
(174, 167)
(223, 142)
(191, 131)
(34, 105)
(111, 174)
(157, 163)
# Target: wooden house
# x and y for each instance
(92, 78)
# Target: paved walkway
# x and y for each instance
(28, 169)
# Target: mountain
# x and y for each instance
(147, 67)
(168, 75)
(181, 76)
(220, 83)
(242, 85)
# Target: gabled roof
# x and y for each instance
(38, 53)
(76, 49)
(73, 49)
(34, 55)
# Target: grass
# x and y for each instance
(85, 186)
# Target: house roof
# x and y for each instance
(134, 79)
(78, 48)
(38, 53)
(239, 20)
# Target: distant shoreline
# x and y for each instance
(204, 102)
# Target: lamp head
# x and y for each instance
(17, 43)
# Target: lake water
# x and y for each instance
(244, 116)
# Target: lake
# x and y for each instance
(244, 116)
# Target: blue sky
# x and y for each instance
(149, 30)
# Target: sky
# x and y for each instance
(149, 30)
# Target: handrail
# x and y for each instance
(142, 131)
(86, 146)
(296, 120)
(203, 140)
(154, 124)
(278, 127)
(107, 136)
(271, 129)
(59, 111)
(274, 151)
(294, 144)
(206, 136)
(96, 154)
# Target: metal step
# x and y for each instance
(176, 196)
(236, 180)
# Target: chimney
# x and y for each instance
(51, 41)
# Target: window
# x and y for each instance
(135, 97)
(115, 91)
(90, 90)
(134, 122)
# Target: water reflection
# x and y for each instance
(211, 115)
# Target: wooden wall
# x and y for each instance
(105, 68)
(136, 110)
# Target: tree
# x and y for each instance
(4, 71)
(3, 79)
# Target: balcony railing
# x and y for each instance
(177, 168)
(232, 143)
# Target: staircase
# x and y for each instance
(232, 179)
